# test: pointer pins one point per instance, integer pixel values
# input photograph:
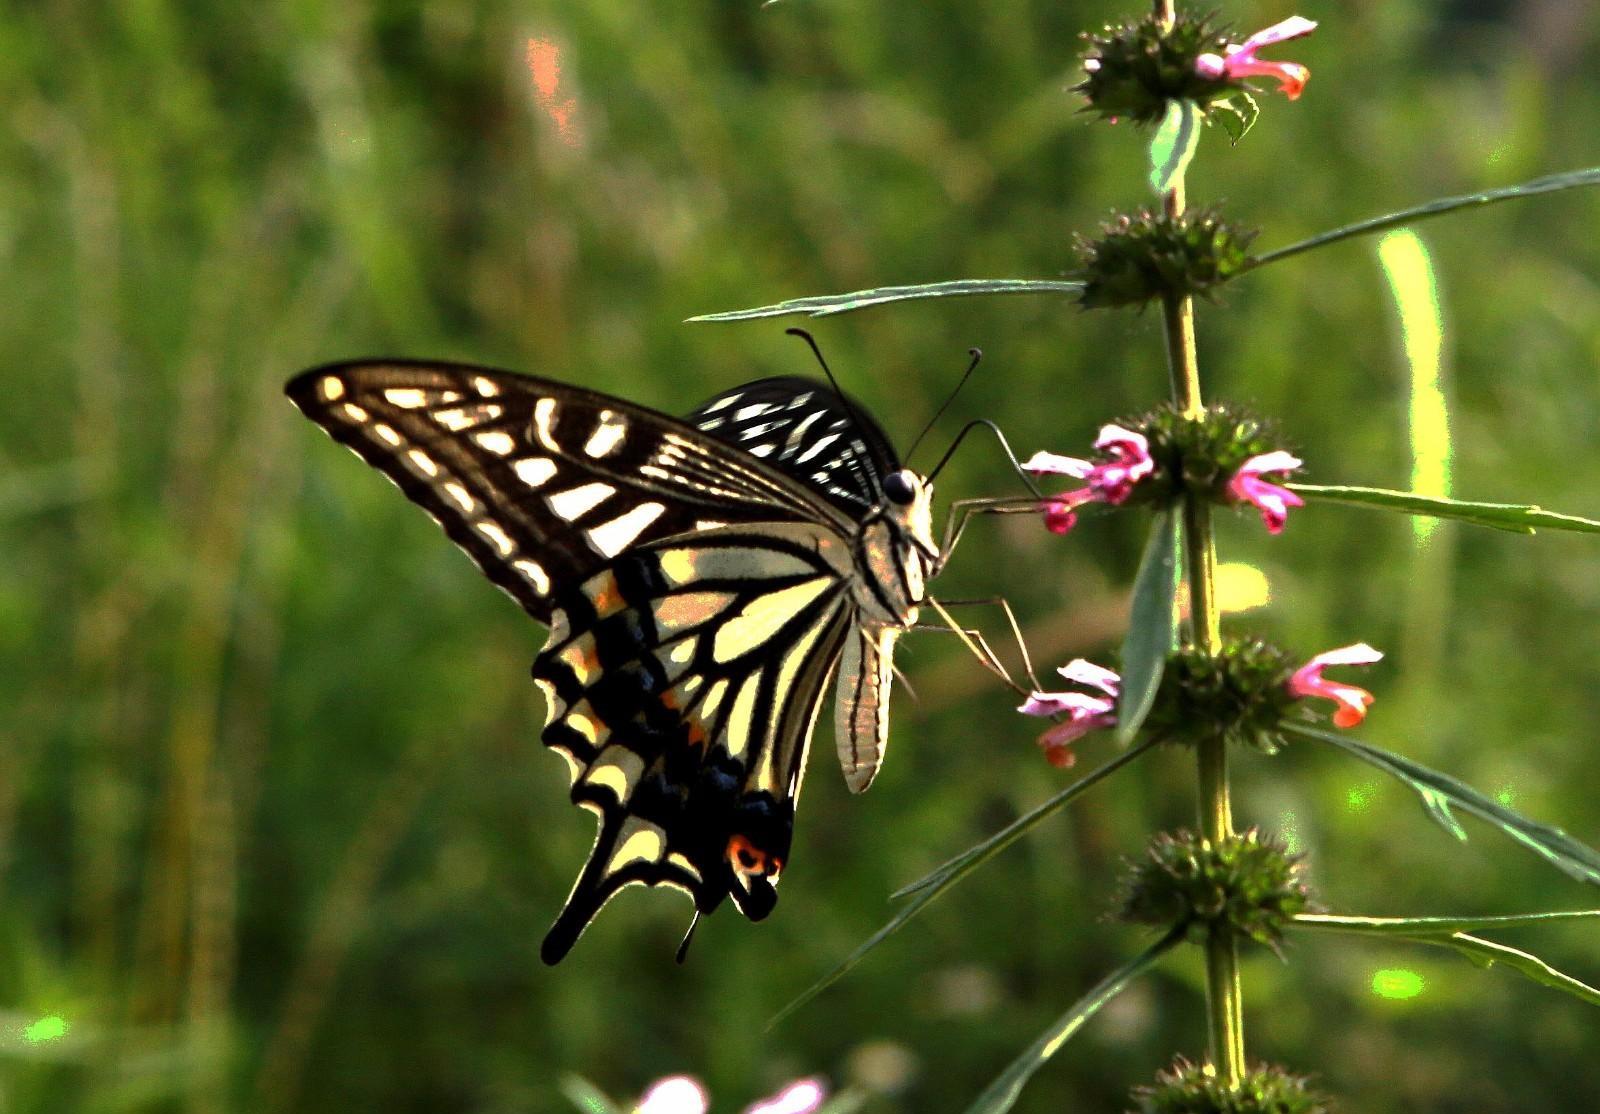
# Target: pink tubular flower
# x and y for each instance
(1085, 712)
(683, 1094)
(1353, 702)
(1110, 482)
(1240, 60)
(1272, 501)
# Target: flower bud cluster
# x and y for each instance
(1248, 885)
(1149, 255)
(1201, 454)
(1240, 695)
(1188, 1088)
(1132, 70)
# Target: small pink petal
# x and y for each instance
(676, 1094)
(1084, 672)
(1295, 27)
(1290, 76)
(1358, 653)
(803, 1097)
(1212, 66)
(1352, 702)
(1279, 460)
(1056, 465)
(1058, 703)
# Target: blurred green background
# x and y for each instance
(276, 832)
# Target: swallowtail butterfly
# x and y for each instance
(702, 578)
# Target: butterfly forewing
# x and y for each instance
(541, 483)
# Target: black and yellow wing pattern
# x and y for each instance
(701, 579)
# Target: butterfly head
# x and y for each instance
(897, 548)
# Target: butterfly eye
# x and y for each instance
(898, 487)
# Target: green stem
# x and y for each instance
(1223, 998)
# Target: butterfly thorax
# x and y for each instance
(895, 553)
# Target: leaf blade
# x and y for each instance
(827, 305)
(1440, 791)
(1173, 145)
(1550, 183)
(924, 890)
(1517, 518)
(1002, 1094)
(1152, 624)
(1434, 926)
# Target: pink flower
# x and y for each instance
(1111, 481)
(1353, 702)
(683, 1094)
(1240, 61)
(1272, 501)
(1085, 712)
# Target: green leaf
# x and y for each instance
(1518, 518)
(828, 304)
(1002, 1094)
(1434, 926)
(586, 1096)
(1236, 115)
(926, 889)
(1439, 792)
(1172, 147)
(1553, 183)
(1485, 953)
(1152, 624)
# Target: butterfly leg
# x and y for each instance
(1011, 622)
(975, 643)
(962, 510)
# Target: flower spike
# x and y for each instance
(1272, 501)
(1085, 712)
(1353, 702)
(1110, 482)
(1240, 60)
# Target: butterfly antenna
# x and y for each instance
(855, 416)
(688, 938)
(977, 355)
(1005, 446)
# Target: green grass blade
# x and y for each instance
(923, 891)
(828, 304)
(1485, 953)
(1553, 183)
(1173, 145)
(1002, 1094)
(1434, 926)
(586, 1096)
(1440, 792)
(1152, 624)
(1518, 518)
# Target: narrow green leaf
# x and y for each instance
(1553, 183)
(829, 304)
(1518, 518)
(586, 1096)
(926, 889)
(1152, 624)
(1434, 926)
(1172, 147)
(1236, 115)
(1002, 1094)
(1440, 792)
(1485, 953)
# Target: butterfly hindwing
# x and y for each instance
(683, 685)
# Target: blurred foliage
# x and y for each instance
(275, 829)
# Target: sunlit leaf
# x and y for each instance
(1152, 624)
(1436, 926)
(925, 889)
(1485, 953)
(829, 304)
(1236, 115)
(1553, 183)
(1002, 1094)
(1172, 147)
(1440, 792)
(586, 1096)
(1518, 518)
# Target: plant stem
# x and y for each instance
(1216, 811)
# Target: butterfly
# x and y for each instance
(702, 578)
